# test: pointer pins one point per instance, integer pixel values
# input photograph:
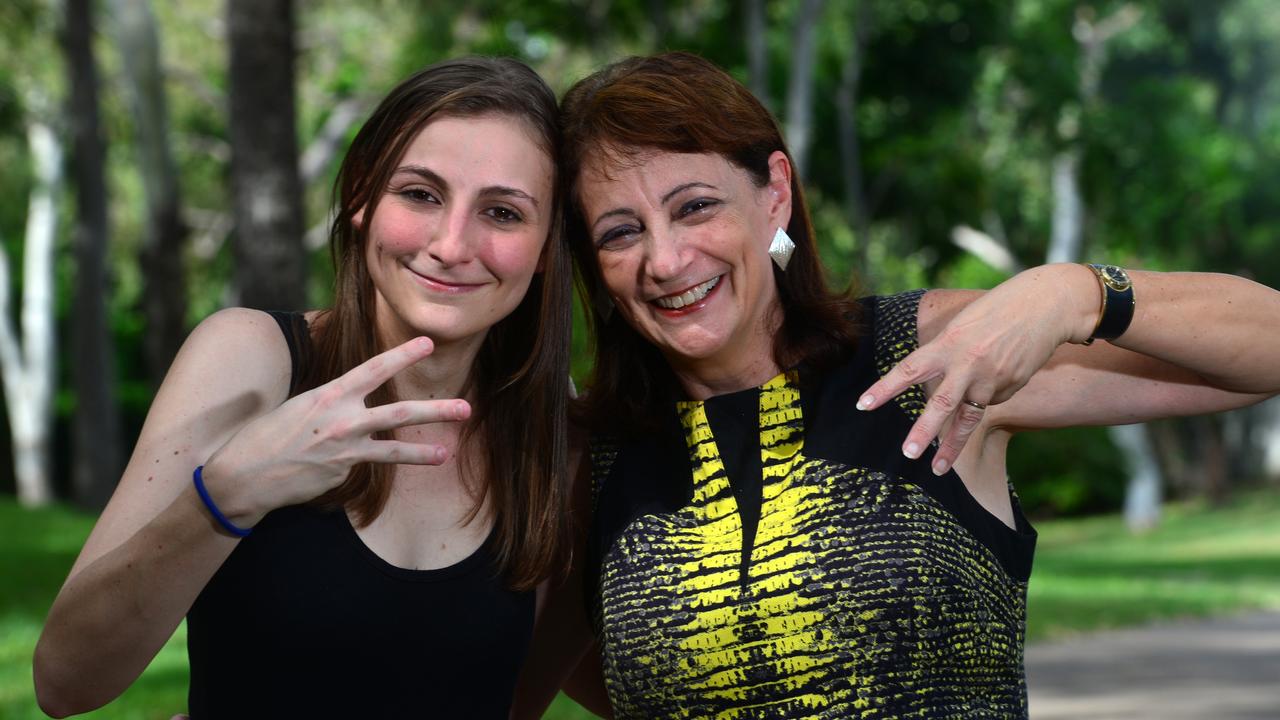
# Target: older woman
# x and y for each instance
(334, 498)
(788, 520)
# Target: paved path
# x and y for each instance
(1224, 669)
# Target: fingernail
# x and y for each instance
(939, 467)
(912, 451)
(460, 410)
(865, 402)
(440, 454)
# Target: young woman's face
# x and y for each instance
(682, 242)
(457, 236)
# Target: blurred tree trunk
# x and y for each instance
(597, 17)
(1213, 471)
(1268, 438)
(1142, 494)
(1068, 206)
(164, 294)
(850, 151)
(270, 257)
(757, 51)
(660, 22)
(804, 48)
(95, 424)
(28, 360)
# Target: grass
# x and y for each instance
(1089, 574)
(1092, 573)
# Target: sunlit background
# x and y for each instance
(943, 144)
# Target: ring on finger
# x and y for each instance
(972, 404)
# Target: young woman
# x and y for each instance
(787, 520)
(353, 507)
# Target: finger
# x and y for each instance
(915, 368)
(410, 412)
(399, 452)
(372, 373)
(965, 420)
(937, 412)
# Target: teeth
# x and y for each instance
(688, 297)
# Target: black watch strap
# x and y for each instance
(1117, 302)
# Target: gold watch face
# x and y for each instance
(1115, 278)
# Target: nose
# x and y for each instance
(663, 257)
(450, 242)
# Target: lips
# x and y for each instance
(442, 284)
(684, 299)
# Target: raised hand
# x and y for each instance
(986, 353)
(308, 445)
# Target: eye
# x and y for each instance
(419, 195)
(618, 237)
(504, 215)
(695, 205)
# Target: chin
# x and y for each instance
(697, 350)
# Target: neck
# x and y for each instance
(738, 367)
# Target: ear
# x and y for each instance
(779, 189)
(357, 220)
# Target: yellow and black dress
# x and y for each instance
(776, 556)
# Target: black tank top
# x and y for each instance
(774, 555)
(304, 620)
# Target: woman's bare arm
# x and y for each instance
(155, 545)
(1199, 342)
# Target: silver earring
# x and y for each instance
(781, 248)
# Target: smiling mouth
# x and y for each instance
(688, 297)
(443, 285)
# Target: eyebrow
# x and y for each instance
(665, 198)
(681, 188)
(431, 176)
(504, 191)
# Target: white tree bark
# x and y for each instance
(331, 138)
(986, 248)
(757, 51)
(1142, 494)
(27, 364)
(1269, 437)
(1066, 240)
(164, 289)
(800, 87)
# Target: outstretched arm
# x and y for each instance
(1198, 342)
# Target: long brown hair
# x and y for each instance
(681, 103)
(521, 371)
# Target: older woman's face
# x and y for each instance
(682, 242)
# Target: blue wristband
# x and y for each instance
(198, 479)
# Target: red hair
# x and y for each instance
(681, 103)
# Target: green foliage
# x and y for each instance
(961, 107)
(1067, 472)
(1092, 573)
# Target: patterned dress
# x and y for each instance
(774, 555)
